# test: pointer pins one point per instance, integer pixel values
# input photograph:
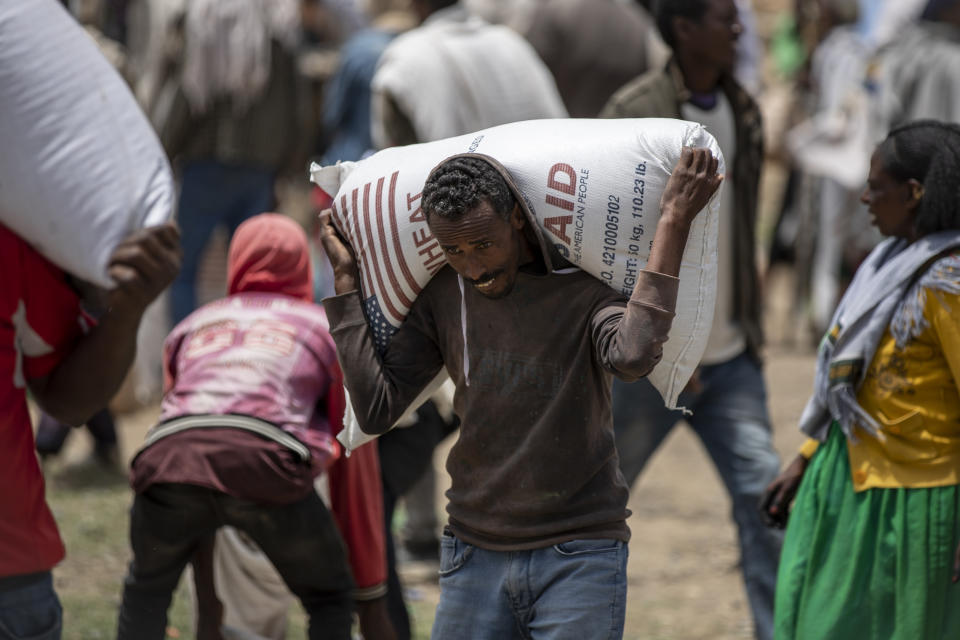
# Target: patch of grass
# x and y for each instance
(90, 506)
(421, 614)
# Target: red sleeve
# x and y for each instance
(50, 320)
(356, 497)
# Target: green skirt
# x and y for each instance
(874, 565)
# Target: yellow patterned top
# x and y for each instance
(913, 394)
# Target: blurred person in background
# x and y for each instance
(749, 69)
(154, 42)
(93, 15)
(593, 47)
(830, 150)
(916, 71)
(332, 22)
(52, 435)
(727, 394)
(455, 74)
(347, 95)
(881, 21)
(231, 125)
(406, 456)
(873, 66)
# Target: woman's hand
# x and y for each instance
(775, 503)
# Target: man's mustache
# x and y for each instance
(486, 277)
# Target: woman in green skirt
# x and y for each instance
(871, 550)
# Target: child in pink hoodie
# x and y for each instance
(252, 403)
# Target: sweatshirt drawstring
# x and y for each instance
(463, 325)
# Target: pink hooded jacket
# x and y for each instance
(263, 356)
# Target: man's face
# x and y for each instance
(483, 247)
(714, 38)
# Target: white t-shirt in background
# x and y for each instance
(727, 339)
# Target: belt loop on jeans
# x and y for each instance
(11, 583)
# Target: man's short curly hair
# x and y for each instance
(665, 11)
(460, 184)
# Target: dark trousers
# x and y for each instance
(52, 434)
(405, 455)
(169, 521)
(396, 606)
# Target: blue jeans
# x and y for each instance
(730, 418)
(29, 608)
(573, 590)
(212, 194)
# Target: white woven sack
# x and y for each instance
(80, 166)
(593, 185)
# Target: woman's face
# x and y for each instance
(892, 203)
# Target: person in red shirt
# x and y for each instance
(72, 366)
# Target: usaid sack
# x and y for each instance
(80, 166)
(594, 186)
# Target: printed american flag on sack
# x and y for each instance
(367, 218)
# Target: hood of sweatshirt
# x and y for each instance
(269, 254)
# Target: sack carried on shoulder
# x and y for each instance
(594, 186)
(81, 167)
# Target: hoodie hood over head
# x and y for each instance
(269, 254)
